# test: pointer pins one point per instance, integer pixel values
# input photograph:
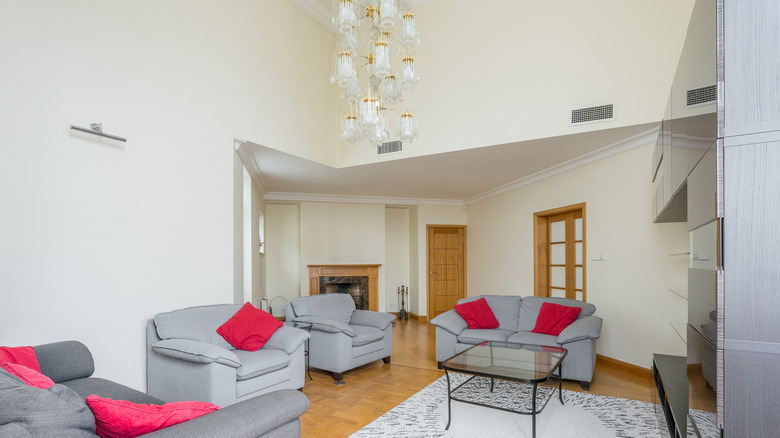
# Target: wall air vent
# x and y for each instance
(592, 114)
(702, 96)
(389, 147)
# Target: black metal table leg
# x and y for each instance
(449, 401)
(533, 410)
(560, 383)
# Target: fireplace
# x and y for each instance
(355, 286)
(361, 282)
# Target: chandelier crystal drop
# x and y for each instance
(374, 64)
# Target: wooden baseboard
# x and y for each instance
(421, 318)
(624, 366)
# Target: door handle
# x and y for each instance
(434, 272)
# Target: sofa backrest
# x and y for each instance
(530, 307)
(196, 323)
(65, 360)
(335, 306)
(505, 308)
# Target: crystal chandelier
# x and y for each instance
(374, 65)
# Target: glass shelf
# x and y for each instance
(681, 292)
(681, 329)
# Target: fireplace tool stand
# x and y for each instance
(402, 314)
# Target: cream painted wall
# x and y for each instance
(339, 233)
(97, 236)
(396, 255)
(430, 214)
(630, 288)
(502, 71)
(283, 253)
(258, 259)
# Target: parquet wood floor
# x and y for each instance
(373, 389)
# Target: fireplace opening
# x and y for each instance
(355, 286)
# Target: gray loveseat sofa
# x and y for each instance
(517, 317)
(61, 411)
(188, 360)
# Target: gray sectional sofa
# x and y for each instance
(61, 411)
(517, 317)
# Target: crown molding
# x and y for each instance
(309, 197)
(636, 141)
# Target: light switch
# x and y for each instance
(598, 257)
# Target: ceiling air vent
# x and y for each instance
(389, 147)
(592, 114)
(702, 96)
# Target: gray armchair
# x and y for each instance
(188, 360)
(342, 337)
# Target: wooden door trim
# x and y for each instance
(428, 264)
(541, 242)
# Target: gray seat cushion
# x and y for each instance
(530, 307)
(533, 339)
(475, 336)
(365, 335)
(504, 307)
(257, 363)
(58, 411)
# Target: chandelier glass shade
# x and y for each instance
(374, 64)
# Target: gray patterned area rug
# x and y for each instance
(584, 415)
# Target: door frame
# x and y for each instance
(541, 254)
(428, 264)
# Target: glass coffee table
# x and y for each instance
(512, 377)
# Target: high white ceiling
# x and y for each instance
(454, 177)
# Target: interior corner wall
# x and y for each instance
(630, 289)
(430, 214)
(396, 256)
(258, 259)
(283, 253)
(99, 235)
(342, 233)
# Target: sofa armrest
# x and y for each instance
(370, 318)
(326, 325)
(583, 328)
(196, 352)
(450, 321)
(253, 417)
(287, 339)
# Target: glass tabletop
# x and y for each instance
(522, 362)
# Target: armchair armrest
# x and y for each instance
(287, 339)
(450, 321)
(196, 352)
(369, 318)
(326, 325)
(583, 328)
(241, 419)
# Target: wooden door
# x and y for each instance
(560, 253)
(446, 267)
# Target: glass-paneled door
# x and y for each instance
(566, 249)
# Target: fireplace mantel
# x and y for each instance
(370, 271)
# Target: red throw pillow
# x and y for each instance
(250, 328)
(21, 355)
(477, 314)
(123, 419)
(553, 318)
(28, 376)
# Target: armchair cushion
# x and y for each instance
(583, 328)
(249, 328)
(327, 325)
(195, 323)
(338, 307)
(28, 376)
(120, 418)
(24, 356)
(369, 318)
(287, 339)
(255, 364)
(450, 321)
(365, 335)
(196, 352)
